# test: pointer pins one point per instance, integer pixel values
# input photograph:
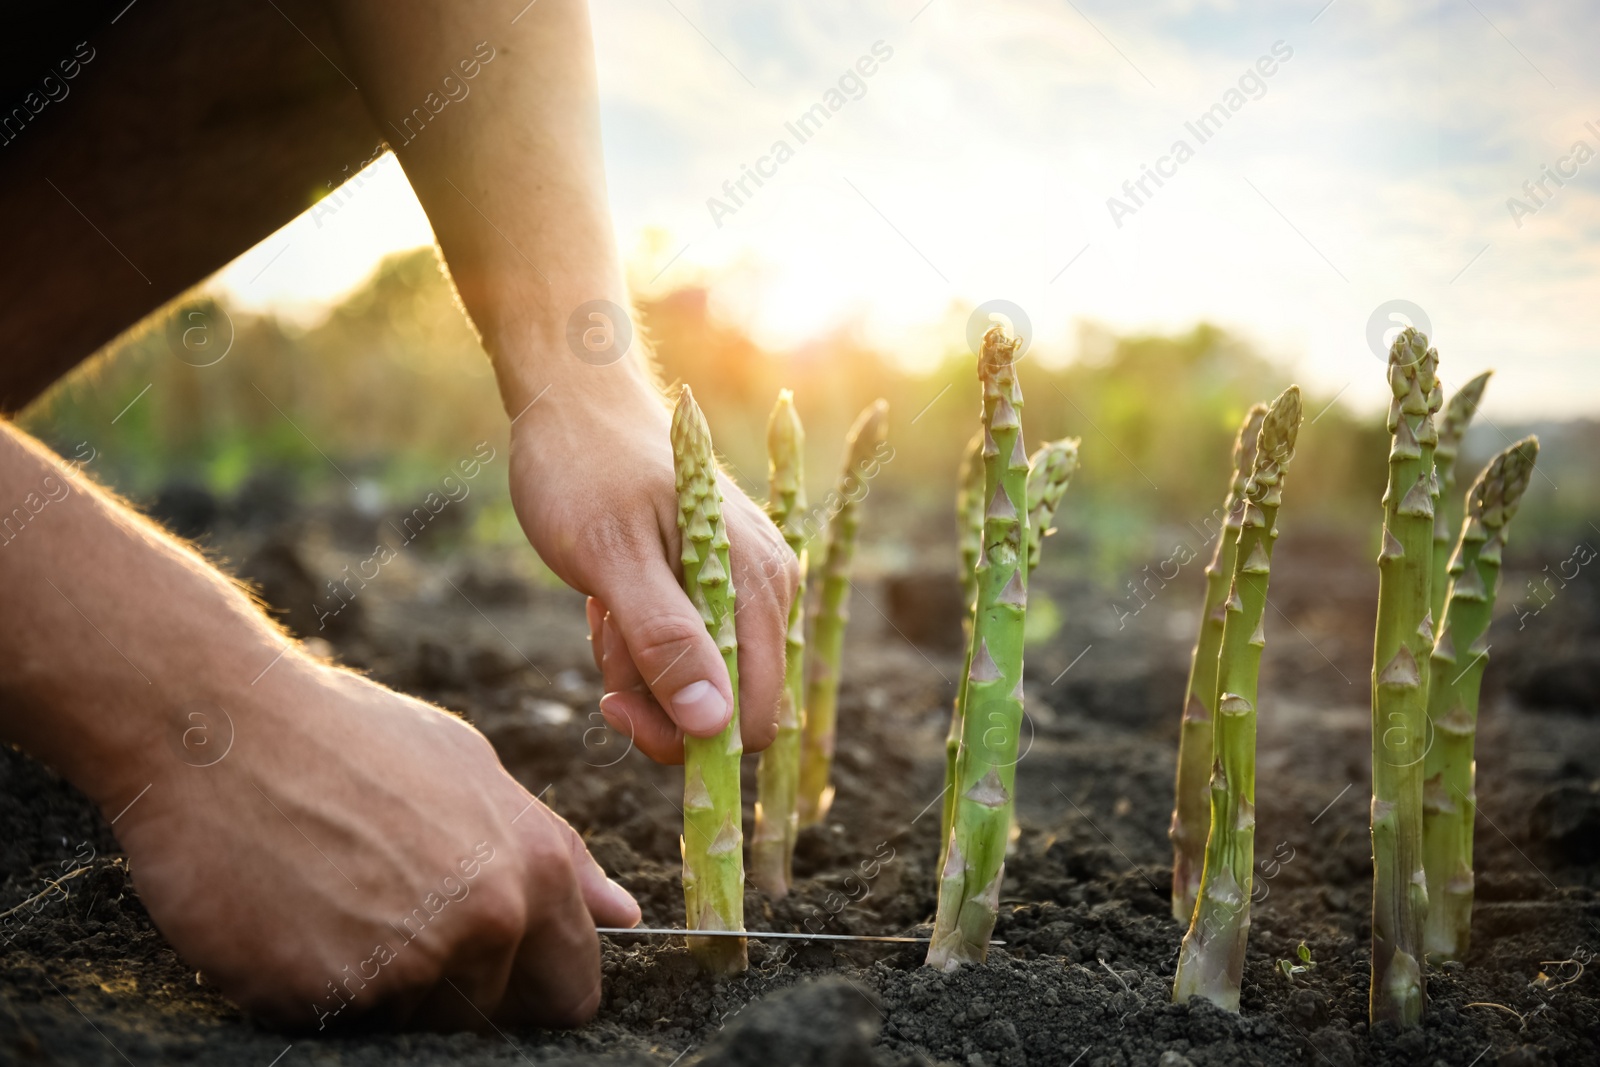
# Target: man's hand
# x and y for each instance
(359, 853)
(513, 180)
(320, 847)
(593, 486)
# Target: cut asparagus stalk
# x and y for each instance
(1450, 801)
(1191, 812)
(870, 431)
(778, 774)
(969, 523)
(712, 842)
(969, 887)
(1211, 961)
(1453, 421)
(1049, 473)
(1402, 653)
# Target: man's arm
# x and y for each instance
(292, 828)
(493, 112)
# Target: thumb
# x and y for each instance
(675, 656)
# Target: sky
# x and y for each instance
(1357, 155)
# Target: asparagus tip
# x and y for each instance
(1244, 447)
(1464, 402)
(1496, 495)
(999, 350)
(1280, 428)
(785, 439)
(870, 430)
(689, 422)
(1412, 360)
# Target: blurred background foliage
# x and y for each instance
(370, 406)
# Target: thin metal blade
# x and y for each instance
(656, 931)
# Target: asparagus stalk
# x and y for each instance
(1049, 473)
(778, 774)
(871, 429)
(1402, 650)
(713, 857)
(969, 520)
(1449, 799)
(1458, 412)
(1191, 812)
(1211, 961)
(969, 887)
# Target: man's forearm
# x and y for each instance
(511, 175)
(103, 611)
(510, 171)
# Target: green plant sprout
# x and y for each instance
(1211, 960)
(1292, 970)
(713, 841)
(870, 431)
(1191, 812)
(778, 774)
(969, 883)
(1402, 653)
(1449, 796)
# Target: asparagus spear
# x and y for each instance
(1458, 412)
(1402, 650)
(1449, 800)
(1211, 962)
(969, 519)
(969, 887)
(713, 857)
(1191, 813)
(871, 429)
(778, 774)
(1049, 473)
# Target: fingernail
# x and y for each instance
(699, 708)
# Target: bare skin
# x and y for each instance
(342, 808)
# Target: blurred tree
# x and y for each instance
(392, 386)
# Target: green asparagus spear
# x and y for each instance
(1449, 798)
(1458, 412)
(969, 520)
(1402, 649)
(1211, 962)
(1191, 813)
(1049, 472)
(778, 774)
(713, 856)
(969, 887)
(870, 431)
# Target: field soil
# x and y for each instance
(1084, 976)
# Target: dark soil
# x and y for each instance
(1085, 973)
